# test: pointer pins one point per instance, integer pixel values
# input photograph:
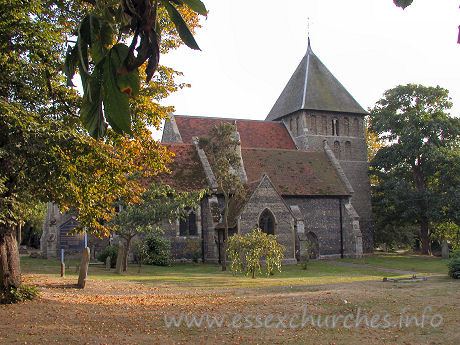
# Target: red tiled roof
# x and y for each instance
(294, 172)
(261, 134)
(187, 172)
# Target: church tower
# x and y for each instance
(316, 108)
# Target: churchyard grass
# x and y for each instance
(131, 308)
(208, 276)
(406, 262)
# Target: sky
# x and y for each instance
(249, 50)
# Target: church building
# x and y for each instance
(305, 167)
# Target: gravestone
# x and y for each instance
(84, 268)
(107, 262)
(445, 250)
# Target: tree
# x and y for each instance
(221, 148)
(159, 202)
(419, 134)
(403, 3)
(109, 68)
(246, 252)
(45, 154)
(373, 143)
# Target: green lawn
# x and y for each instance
(416, 263)
(207, 276)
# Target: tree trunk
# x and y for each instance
(19, 234)
(417, 171)
(120, 256)
(425, 236)
(225, 235)
(10, 269)
(84, 268)
(125, 254)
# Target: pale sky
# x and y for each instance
(251, 48)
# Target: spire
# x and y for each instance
(313, 87)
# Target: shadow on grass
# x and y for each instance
(58, 286)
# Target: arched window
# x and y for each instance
(346, 126)
(297, 126)
(360, 128)
(337, 149)
(335, 127)
(267, 222)
(314, 245)
(356, 127)
(187, 227)
(348, 150)
(323, 125)
(291, 125)
(313, 124)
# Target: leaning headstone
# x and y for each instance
(445, 250)
(107, 262)
(84, 268)
(120, 255)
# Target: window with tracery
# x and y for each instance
(187, 227)
(267, 222)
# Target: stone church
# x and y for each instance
(305, 169)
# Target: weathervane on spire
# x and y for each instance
(308, 31)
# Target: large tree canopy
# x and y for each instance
(159, 202)
(416, 168)
(113, 40)
(45, 152)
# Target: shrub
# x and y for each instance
(305, 257)
(140, 252)
(454, 254)
(158, 250)
(193, 249)
(111, 251)
(247, 251)
(20, 294)
(454, 268)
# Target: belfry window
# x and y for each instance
(348, 150)
(313, 124)
(187, 227)
(267, 222)
(335, 127)
(346, 126)
(337, 150)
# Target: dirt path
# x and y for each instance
(391, 270)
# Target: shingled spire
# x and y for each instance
(313, 87)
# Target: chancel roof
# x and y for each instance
(294, 172)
